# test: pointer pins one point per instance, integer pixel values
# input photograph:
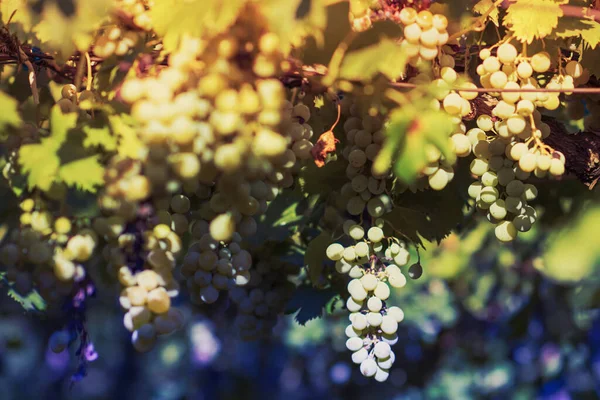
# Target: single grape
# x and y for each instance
(415, 271)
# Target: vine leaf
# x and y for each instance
(315, 180)
(130, 145)
(587, 30)
(40, 162)
(64, 33)
(429, 215)
(407, 139)
(385, 57)
(10, 114)
(99, 136)
(315, 256)
(309, 302)
(531, 19)
(84, 174)
(175, 19)
(292, 19)
(483, 6)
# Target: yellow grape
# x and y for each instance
(470, 95)
(453, 104)
(484, 54)
(491, 64)
(425, 19)
(528, 162)
(498, 79)
(408, 16)
(429, 38)
(557, 167)
(541, 62)
(506, 231)
(524, 70)
(412, 33)
(507, 53)
(511, 97)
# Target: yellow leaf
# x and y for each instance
(84, 173)
(10, 114)
(65, 34)
(531, 19)
(174, 19)
(284, 20)
(386, 57)
(22, 15)
(40, 162)
(129, 144)
(483, 6)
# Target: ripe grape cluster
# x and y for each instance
(508, 144)
(424, 33)
(46, 253)
(373, 322)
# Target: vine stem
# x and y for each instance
(405, 85)
(32, 77)
(88, 84)
(336, 59)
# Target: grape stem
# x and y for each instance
(407, 85)
(335, 63)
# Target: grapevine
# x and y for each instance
(193, 156)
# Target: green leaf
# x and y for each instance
(40, 162)
(483, 6)
(175, 19)
(31, 302)
(337, 28)
(315, 180)
(60, 125)
(531, 19)
(65, 34)
(407, 139)
(294, 19)
(573, 253)
(430, 215)
(585, 29)
(315, 256)
(84, 174)
(99, 136)
(386, 57)
(130, 145)
(310, 302)
(10, 114)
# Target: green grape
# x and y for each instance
(506, 231)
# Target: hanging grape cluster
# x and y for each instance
(372, 263)
(508, 144)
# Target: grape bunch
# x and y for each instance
(211, 266)
(143, 262)
(424, 33)
(508, 144)
(71, 98)
(374, 323)
(263, 298)
(46, 254)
